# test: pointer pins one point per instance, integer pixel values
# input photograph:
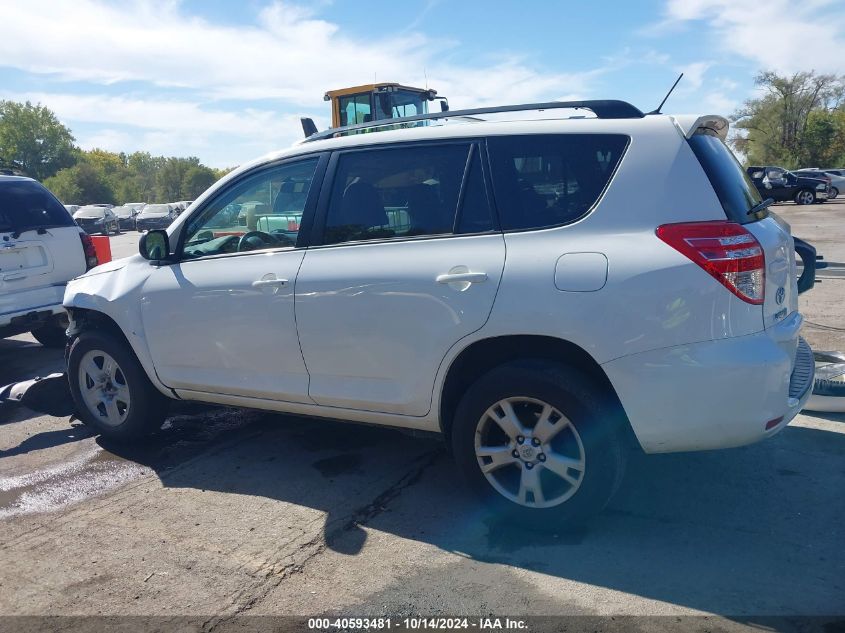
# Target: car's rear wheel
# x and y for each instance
(805, 196)
(52, 333)
(834, 192)
(540, 444)
(110, 389)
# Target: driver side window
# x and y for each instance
(259, 213)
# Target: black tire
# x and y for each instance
(599, 424)
(146, 408)
(834, 193)
(830, 380)
(52, 334)
(805, 196)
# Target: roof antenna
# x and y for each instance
(657, 109)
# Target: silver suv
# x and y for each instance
(41, 249)
(545, 294)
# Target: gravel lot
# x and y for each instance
(231, 512)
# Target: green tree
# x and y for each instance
(170, 175)
(196, 180)
(33, 140)
(775, 127)
(81, 184)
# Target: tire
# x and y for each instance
(127, 406)
(585, 429)
(52, 334)
(805, 196)
(834, 193)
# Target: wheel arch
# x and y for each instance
(483, 355)
(82, 319)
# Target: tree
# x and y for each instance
(81, 184)
(196, 180)
(170, 175)
(33, 140)
(775, 128)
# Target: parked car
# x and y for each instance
(781, 185)
(96, 218)
(138, 206)
(835, 178)
(126, 216)
(71, 208)
(41, 249)
(624, 317)
(155, 216)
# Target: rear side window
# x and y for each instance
(732, 185)
(25, 204)
(548, 180)
(398, 192)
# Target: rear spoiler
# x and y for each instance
(689, 124)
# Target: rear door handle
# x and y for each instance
(275, 283)
(473, 278)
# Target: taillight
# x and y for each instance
(90, 252)
(726, 250)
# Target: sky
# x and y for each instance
(228, 80)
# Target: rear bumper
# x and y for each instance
(714, 394)
(23, 311)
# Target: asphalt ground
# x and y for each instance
(230, 513)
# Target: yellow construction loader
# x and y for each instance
(376, 102)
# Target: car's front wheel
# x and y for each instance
(110, 388)
(540, 443)
(805, 196)
(834, 192)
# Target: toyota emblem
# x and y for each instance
(780, 295)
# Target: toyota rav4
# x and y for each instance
(515, 286)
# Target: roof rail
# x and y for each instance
(602, 108)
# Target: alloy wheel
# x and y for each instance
(530, 452)
(805, 197)
(103, 386)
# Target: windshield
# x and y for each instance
(732, 185)
(26, 204)
(90, 212)
(156, 209)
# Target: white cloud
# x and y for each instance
(288, 55)
(244, 81)
(780, 35)
(173, 127)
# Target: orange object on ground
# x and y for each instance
(102, 247)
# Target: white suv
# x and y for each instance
(41, 248)
(547, 294)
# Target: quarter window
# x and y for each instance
(547, 180)
(401, 192)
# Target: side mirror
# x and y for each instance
(154, 245)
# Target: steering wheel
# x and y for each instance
(252, 240)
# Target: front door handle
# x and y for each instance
(275, 283)
(467, 277)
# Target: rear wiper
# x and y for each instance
(761, 207)
(38, 229)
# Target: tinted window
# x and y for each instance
(732, 185)
(548, 180)
(257, 213)
(386, 193)
(26, 204)
(475, 215)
